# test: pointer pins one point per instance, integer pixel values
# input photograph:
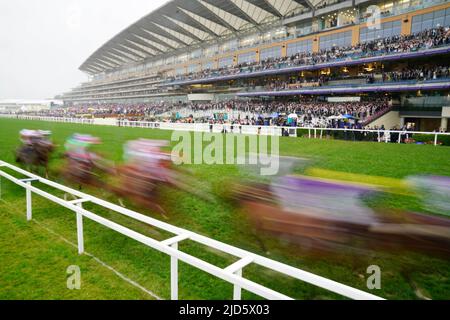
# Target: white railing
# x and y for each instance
(50, 119)
(316, 133)
(205, 127)
(231, 274)
(382, 135)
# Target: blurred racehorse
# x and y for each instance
(147, 171)
(328, 216)
(83, 167)
(35, 151)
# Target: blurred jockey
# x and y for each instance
(81, 161)
(26, 136)
(77, 148)
(147, 158)
(36, 148)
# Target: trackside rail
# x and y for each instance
(313, 132)
(231, 274)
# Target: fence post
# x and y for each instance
(435, 139)
(174, 275)
(29, 203)
(237, 291)
(80, 234)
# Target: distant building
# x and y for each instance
(25, 105)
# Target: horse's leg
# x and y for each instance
(122, 204)
(153, 202)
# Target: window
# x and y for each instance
(226, 62)
(299, 46)
(208, 65)
(193, 68)
(440, 18)
(249, 41)
(387, 30)
(230, 45)
(248, 57)
(341, 39)
(182, 58)
(208, 52)
(268, 53)
(179, 71)
(196, 54)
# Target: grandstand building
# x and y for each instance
(282, 50)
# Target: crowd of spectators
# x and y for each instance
(309, 111)
(419, 74)
(112, 110)
(423, 74)
(426, 39)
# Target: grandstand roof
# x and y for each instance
(181, 24)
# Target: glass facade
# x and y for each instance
(299, 46)
(208, 65)
(229, 45)
(226, 62)
(196, 53)
(179, 71)
(341, 39)
(387, 30)
(431, 20)
(268, 53)
(300, 28)
(248, 57)
(193, 68)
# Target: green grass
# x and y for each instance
(34, 265)
(33, 262)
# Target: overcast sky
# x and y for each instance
(43, 42)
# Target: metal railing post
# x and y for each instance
(29, 203)
(174, 275)
(237, 290)
(80, 233)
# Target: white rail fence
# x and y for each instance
(382, 135)
(231, 274)
(316, 133)
(50, 119)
